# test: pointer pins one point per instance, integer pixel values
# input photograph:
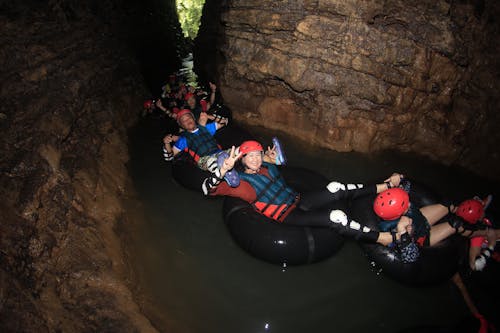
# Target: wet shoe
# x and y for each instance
(280, 158)
(231, 177)
(486, 201)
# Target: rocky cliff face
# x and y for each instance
(70, 88)
(366, 75)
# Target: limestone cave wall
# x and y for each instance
(420, 76)
(70, 87)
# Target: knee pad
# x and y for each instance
(338, 216)
(334, 186)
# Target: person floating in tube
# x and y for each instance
(419, 227)
(199, 105)
(482, 249)
(262, 185)
(199, 142)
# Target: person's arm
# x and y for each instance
(168, 151)
(213, 88)
(390, 182)
(203, 119)
(160, 106)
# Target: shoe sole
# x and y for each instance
(279, 150)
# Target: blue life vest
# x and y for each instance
(201, 143)
(420, 225)
(274, 196)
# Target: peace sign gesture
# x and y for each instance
(230, 161)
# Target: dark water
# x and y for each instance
(198, 280)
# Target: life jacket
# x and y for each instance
(200, 143)
(274, 197)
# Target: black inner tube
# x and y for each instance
(436, 264)
(277, 243)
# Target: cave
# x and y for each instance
(349, 76)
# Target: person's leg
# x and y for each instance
(337, 220)
(208, 163)
(434, 213)
(443, 230)
(335, 191)
(484, 324)
(439, 232)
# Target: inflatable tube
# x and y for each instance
(436, 264)
(277, 243)
(186, 173)
(184, 170)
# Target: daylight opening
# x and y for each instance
(189, 12)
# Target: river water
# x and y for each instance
(194, 278)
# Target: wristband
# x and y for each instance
(389, 185)
(393, 234)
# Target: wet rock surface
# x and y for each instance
(70, 88)
(366, 75)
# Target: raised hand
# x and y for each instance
(231, 160)
(169, 138)
(394, 179)
(404, 225)
(203, 118)
(271, 153)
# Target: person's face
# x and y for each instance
(252, 161)
(187, 122)
(191, 102)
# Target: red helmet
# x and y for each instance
(249, 146)
(188, 96)
(148, 104)
(391, 204)
(184, 112)
(471, 210)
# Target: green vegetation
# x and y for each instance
(189, 12)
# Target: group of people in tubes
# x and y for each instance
(249, 172)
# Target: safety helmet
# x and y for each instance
(182, 113)
(391, 204)
(148, 104)
(470, 210)
(188, 96)
(249, 146)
